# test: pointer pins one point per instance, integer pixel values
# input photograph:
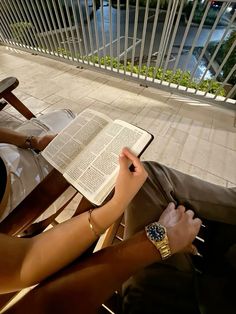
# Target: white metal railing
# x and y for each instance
(188, 46)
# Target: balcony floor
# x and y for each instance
(192, 136)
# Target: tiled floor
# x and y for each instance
(191, 136)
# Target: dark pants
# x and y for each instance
(183, 284)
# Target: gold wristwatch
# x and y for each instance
(157, 234)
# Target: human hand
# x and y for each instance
(41, 142)
(128, 183)
(182, 228)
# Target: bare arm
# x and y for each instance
(84, 286)
(19, 139)
(28, 261)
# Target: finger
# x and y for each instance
(197, 222)
(124, 162)
(193, 249)
(181, 209)
(135, 160)
(170, 207)
(190, 213)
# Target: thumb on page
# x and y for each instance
(123, 161)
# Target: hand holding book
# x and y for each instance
(128, 182)
(127, 185)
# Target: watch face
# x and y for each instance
(155, 232)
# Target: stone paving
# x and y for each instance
(195, 137)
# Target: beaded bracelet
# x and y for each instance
(28, 142)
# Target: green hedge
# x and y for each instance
(179, 77)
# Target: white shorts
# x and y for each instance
(27, 169)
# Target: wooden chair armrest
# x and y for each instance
(108, 237)
(34, 204)
(7, 85)
(83, 206)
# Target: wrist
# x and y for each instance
(117, 205)
(173, 239)
(158, 236)
(30, 142)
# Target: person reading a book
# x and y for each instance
(82, 286)
(20, 164)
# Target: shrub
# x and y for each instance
(179, 77)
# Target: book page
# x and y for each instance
(74, 138)
(94, 171)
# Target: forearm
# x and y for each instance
(12, 137)
(18, 139)
(52, 250)
(83, 287)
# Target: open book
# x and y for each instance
(87, 152)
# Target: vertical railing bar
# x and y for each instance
(162, 41)
(135, 34)
(12, 21)
(3, 33)
(6, 27)
(61, 31)
(49, 25)
(17, 21)
(65, 28)
(40, 28)
(89, 31)
(223, 7)
(43, 24)
(110, 34)
(74, 57)
(230, 93)
(18, 10)
(152, 37)
(103, 34)
(217, 48)
(130, 47)
(184, 39)
(126, 34)
(118, 35)
(96, 31)
(2, 36)
(194, 42)
(225, 80)
(33, 35)
(32, 17)
(221, 66)
(143, 37)
(5, 30)
(83, 30)
(170, 13)
(58, 43)
(173, 37)
(77, 31)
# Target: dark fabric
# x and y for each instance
(3, 178)
(183, 284)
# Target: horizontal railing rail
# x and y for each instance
(179, 45)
